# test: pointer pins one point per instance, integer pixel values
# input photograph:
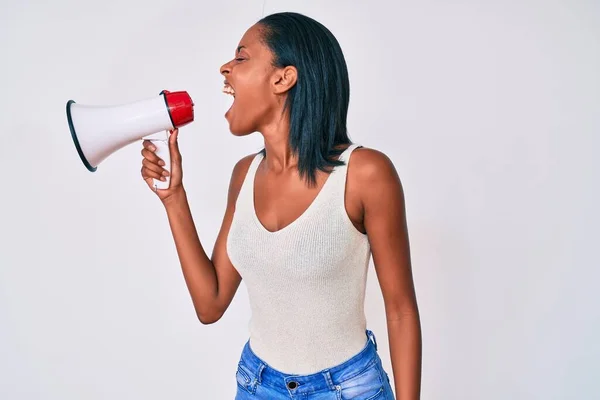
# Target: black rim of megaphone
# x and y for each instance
(164, 95)
(75, 140)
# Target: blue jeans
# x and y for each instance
(362, 377)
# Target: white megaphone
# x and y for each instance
(99, 131)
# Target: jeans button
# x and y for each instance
(292, 385)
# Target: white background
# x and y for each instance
(488, 109)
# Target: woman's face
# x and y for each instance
(247, 78)
(258, 87)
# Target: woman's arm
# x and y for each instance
(385, 222)
(212, 283)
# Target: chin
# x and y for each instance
(239, 131)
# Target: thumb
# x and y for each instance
(173, 137)
(173, 144)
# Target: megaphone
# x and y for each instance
(99, 131)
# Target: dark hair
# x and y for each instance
(318, 102)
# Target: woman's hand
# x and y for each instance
(152, 167)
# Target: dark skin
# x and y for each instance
(374, 203)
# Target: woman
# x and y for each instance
(300, 225)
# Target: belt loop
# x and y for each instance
(371, 335)
(327, 376)
(261, 367)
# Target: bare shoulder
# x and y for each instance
(372, 187)
(238, 174)
(372, 168)
(241, 167)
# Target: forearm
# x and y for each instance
(405, 351)
(198, 270)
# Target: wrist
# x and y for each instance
(176, 198)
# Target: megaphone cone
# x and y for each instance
(99, 131)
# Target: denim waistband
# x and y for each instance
(326, 379)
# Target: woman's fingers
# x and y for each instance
(149, 152)
(148, 174)
(153, 167)
(151, 155)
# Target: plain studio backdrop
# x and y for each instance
(488, 109)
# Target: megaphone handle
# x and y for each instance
(162, 151)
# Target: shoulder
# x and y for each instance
(373, 176)
(238, 174)
(241, 167)
(371, 166)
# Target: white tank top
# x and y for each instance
(306, 282)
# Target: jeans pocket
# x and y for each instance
(366, 385)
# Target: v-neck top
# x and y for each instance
(306, 281)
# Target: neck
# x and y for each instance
(276, 134)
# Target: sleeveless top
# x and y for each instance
(306, 282)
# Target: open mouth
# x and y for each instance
(228, 89)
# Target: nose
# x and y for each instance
(225, 69)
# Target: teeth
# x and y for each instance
(228, 90)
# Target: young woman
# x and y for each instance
(303, 217)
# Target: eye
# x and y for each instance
(239, 59)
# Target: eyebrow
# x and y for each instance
(240, 48)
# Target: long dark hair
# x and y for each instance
(318, 102)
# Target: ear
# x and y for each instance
(284, 79)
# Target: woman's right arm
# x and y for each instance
(211, 282)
